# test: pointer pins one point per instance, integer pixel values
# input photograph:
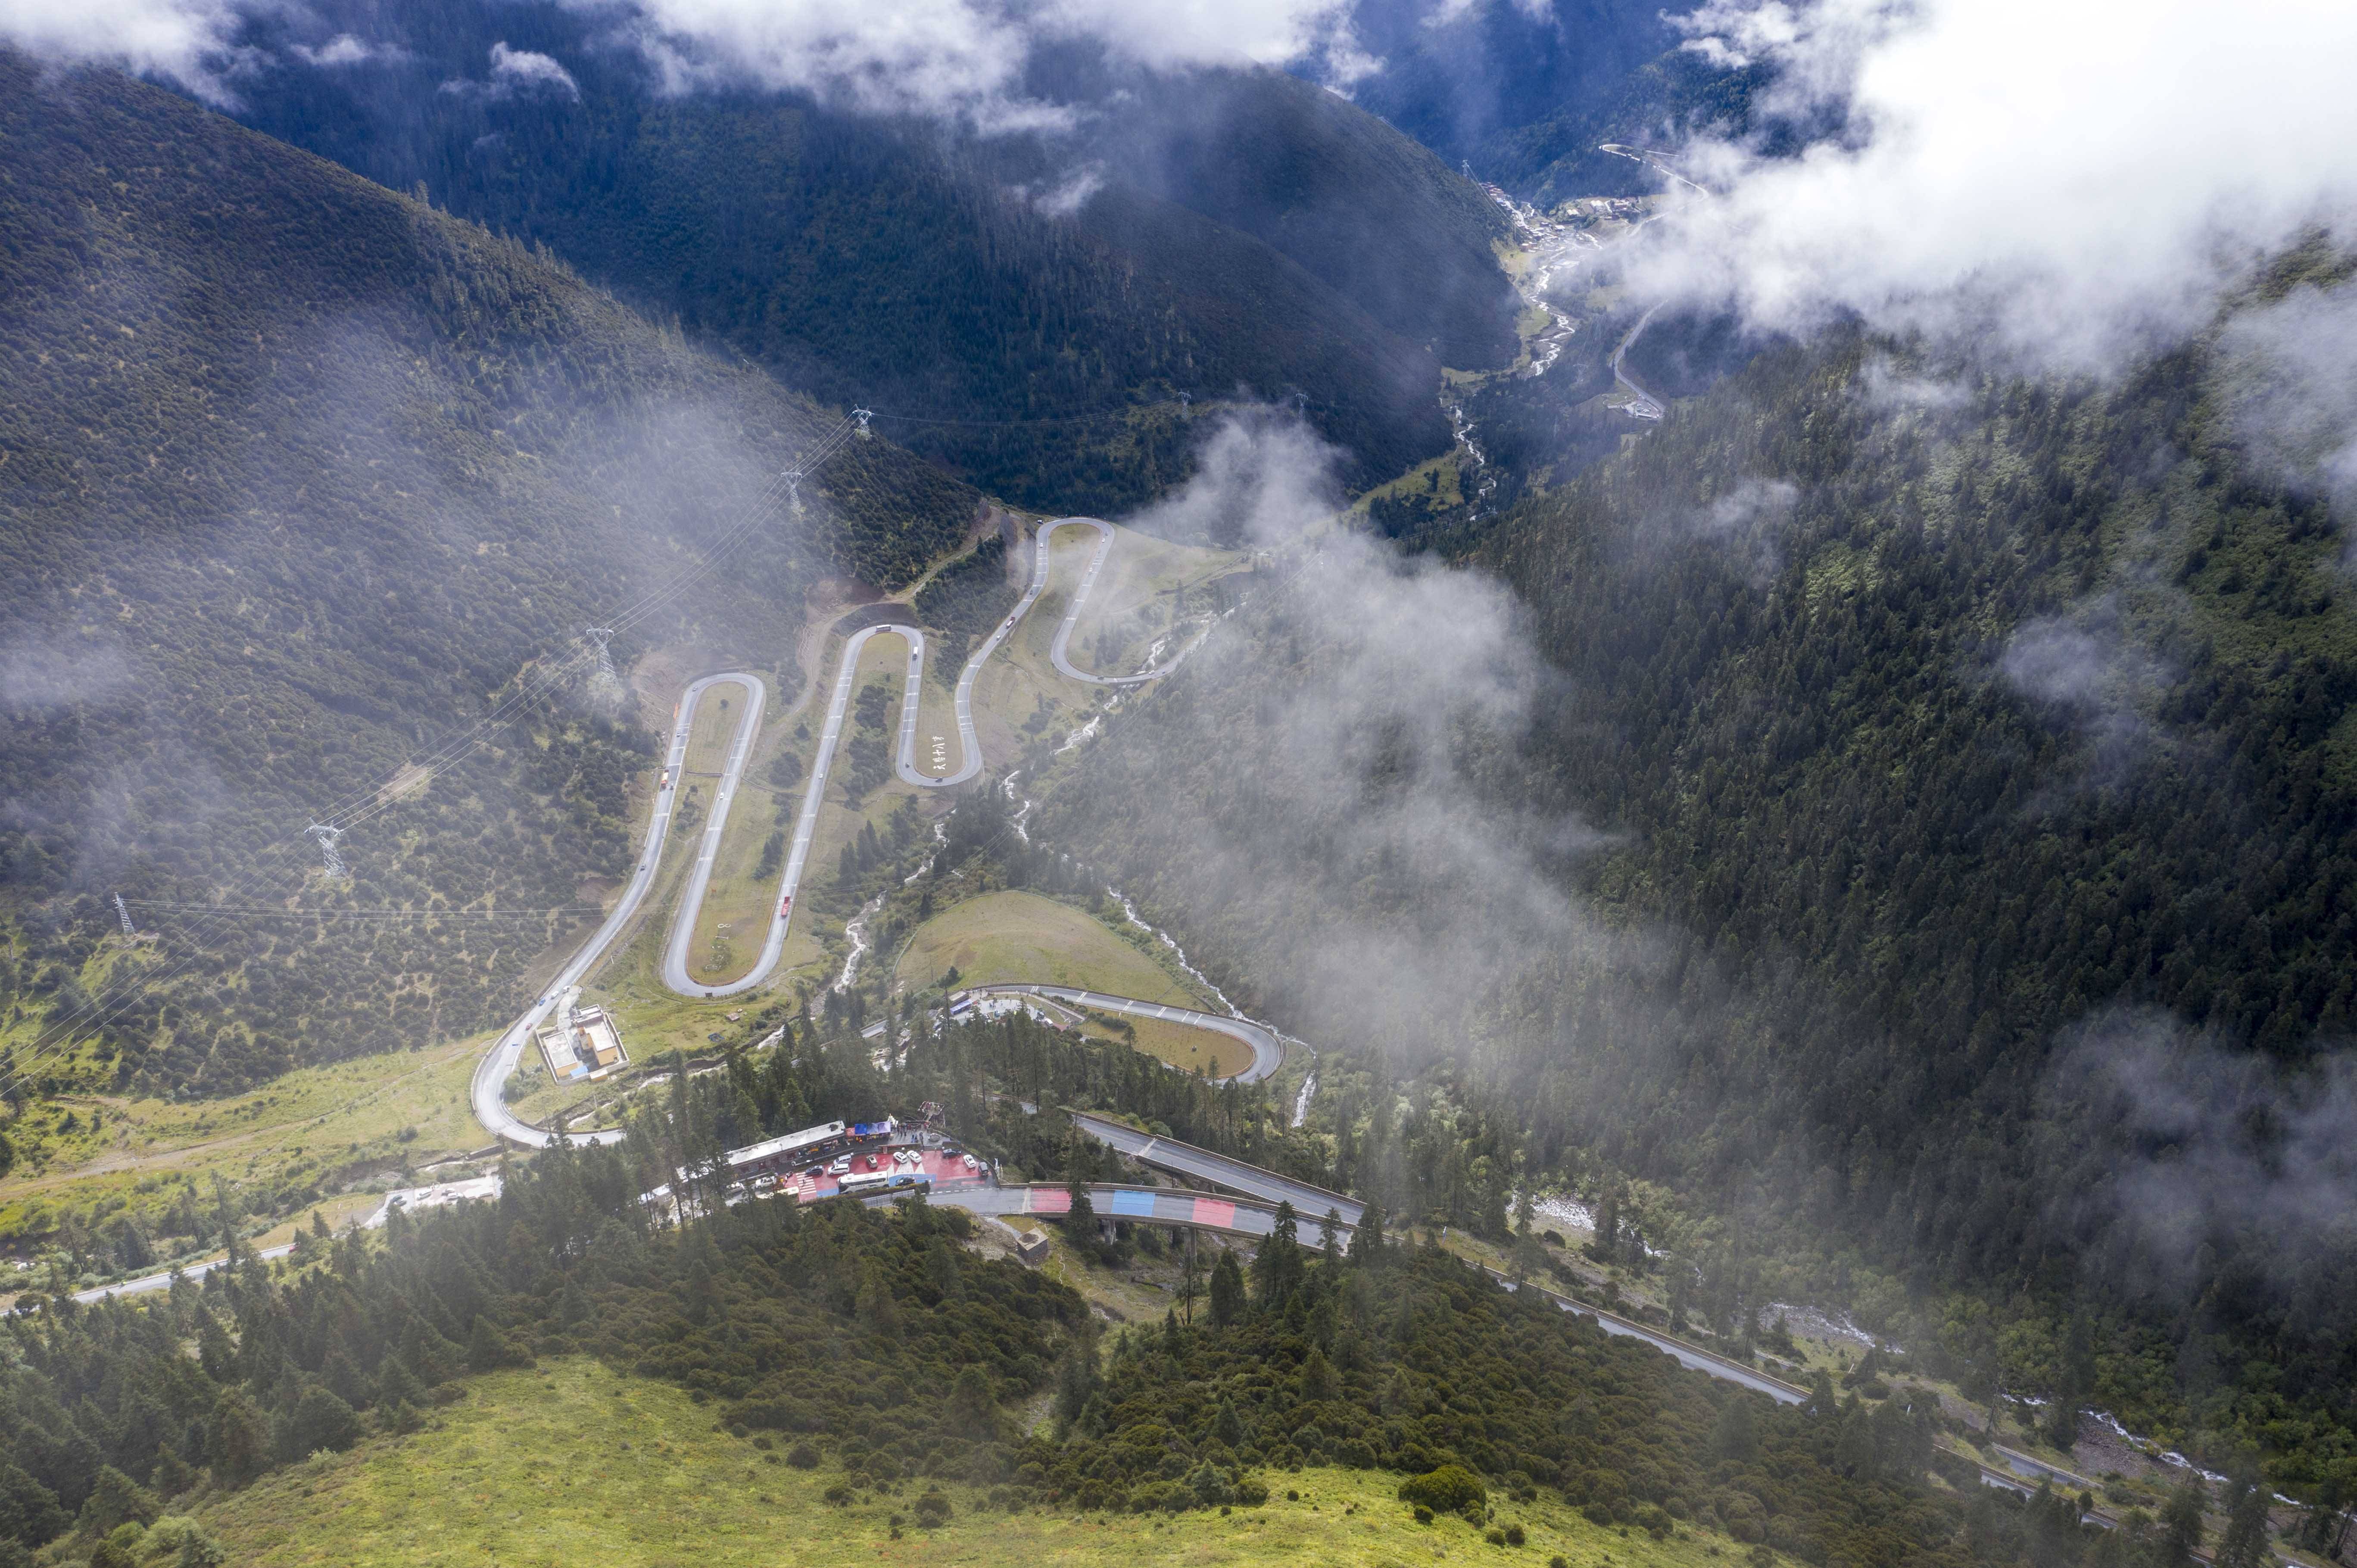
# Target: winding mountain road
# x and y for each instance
(674, 971)
(492, 1074)
(740, 749)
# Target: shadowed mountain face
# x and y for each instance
(299, 476)
(1473, 86)
(1227, 235)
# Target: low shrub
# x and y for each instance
(1452, 1488)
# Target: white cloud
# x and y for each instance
(957, 58)
(38, 676)
(960, 58)
(1065, 198)
(2086, 668)
(2290, 373)
(526, 69)
(187, 40)
(346, 50)
(519, 71)
(2056, 183)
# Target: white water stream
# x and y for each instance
(857, 929)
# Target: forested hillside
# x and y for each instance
(875, 1346)
(297, 478)
(1942, 793)
(1038, 303)
(1526, 93)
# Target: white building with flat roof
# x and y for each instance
(583, 1045)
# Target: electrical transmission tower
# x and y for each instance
(327, 837)
(863, 415)
(123, 911)
(603, 636)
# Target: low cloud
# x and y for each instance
(2291, 393)
(518, 73)
(1261, 478)
(345, 49)
(2209, 1149)
(2022, 179)
(955, 58)
(1327, 825)
(39, 676)
(2086, 668)
(1065, 196)
(963, 59)
(187, 41)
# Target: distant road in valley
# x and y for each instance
(1641, 405)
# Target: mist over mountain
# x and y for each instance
(1749, 716)
(302, 477)
(1239, 234)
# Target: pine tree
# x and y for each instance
(1278, 1267)
(1227, 1290)
(2245, 1544)
(237, 1439)
(116, 1500)
(1367, 1245)
(2180, 1526)
(1605, 1249)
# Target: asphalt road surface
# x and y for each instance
(501, 1062)
(1201, 1164)
(674, 969)
(1268, 1051)
(496, 1067)
(1056, 650)
(683, 933)
(1641, 405)
(408, 1197)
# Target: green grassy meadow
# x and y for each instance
(574, 1464)
(1018, 936)
(367, 1118)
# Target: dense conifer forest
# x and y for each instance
(874, 1342)
(1957, 768)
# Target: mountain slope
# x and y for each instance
(1024, 294)
(1360, 207)
(296, 476)
(1472, 81)
(1945, 797)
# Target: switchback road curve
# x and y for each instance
(1268, 1051)
(675, 967)
(500, 1063)
(491, 1075)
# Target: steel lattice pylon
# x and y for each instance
(328, 851)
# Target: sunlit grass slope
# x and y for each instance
(573, 1465)
(1016, 935)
